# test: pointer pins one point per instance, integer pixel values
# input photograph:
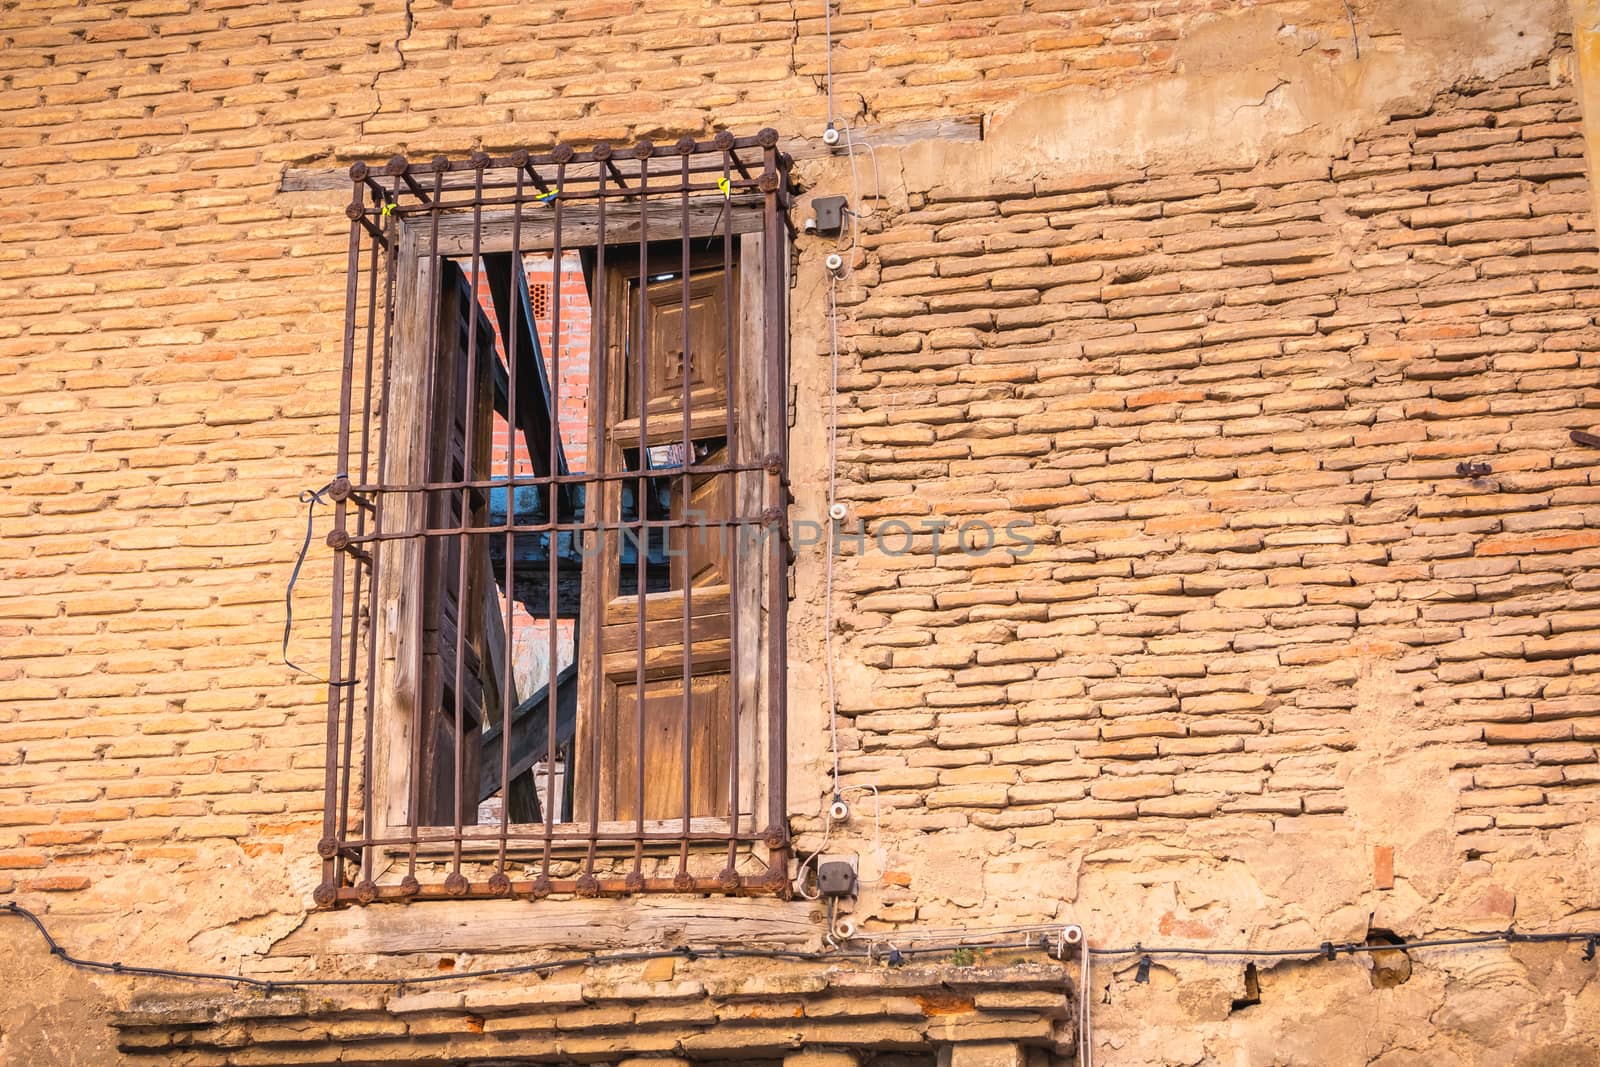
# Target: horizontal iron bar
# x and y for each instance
(675, 193)
(564, 153)
(563, 527)
(574, 837)
(588, 174)
(758, 885)
(525, 481)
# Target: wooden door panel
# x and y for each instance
(709, 725)
(625, 609)
(701, 558)
(704, 550)
(666, 363)
(622, 638)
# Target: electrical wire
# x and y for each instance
(827, 835)
(1085, 999)
(1328, 950)
(827, 37)
(433, 978)
(310, 498)
(833, 525)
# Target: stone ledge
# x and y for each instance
(722, 1010)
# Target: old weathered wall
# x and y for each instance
(1218, 306)
(1266, 659)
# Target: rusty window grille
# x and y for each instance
(546, 679)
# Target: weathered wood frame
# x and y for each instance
(397, 621)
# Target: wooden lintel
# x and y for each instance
(525, 925)
(961, 129)
(580, 225)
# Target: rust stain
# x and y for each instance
(944, 1004)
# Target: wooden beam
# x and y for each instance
(525, 925)
(962, 129)
(580, 225)
(530, 737)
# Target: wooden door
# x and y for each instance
(647, 733)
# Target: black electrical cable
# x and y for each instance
(310, 498)
(1328, 950)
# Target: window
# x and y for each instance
(561, 559)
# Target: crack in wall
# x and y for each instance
(1265, 98)
(399, 51)
(818, 82)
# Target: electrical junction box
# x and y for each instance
(836, 878)
(830, 214)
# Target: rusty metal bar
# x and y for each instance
(777, 426)
(618, 527)
(348, 746)
(429, 412)
(586, 887)
(552, 553)
(365, 879)
(686, 494)
(730, 294)
(599, 362)
(456, 881)
(518, 280)
(601, 153)
(641, 497)
(578, 839)
(739, 188)
(332, 862)
(535, 479)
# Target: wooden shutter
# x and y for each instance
(640, 731)
(448, 605)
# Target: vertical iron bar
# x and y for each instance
(777, 495)
(553, 545)
(463, 540)
(735, 533)
(332, 862)
(641, 544)
(361, 529)
(686, 493)
(377, 474)
(431, 311)
(600, 367)
(507, 679)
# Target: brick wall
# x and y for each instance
(1268, 636)
(573, 388)
(1232, 407)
